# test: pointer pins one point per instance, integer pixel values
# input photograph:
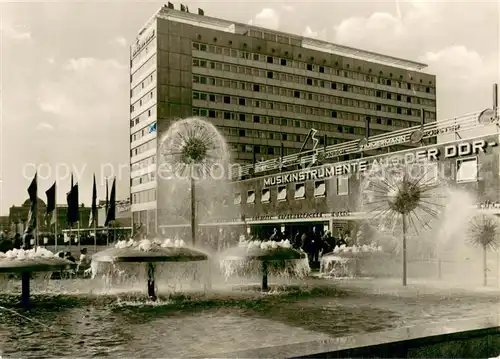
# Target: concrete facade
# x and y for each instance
(262, 89)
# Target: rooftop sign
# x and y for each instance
(406, 136)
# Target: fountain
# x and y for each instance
(188, 152)
(399, 199)
(193, 158)
(266, 258)
(483, 232)
(30, 261)
(151, 253)
(346, 261)
(326, 315)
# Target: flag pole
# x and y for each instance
(107, 208)
(55, 224)
(69, 214)
(95, 235)
(79, 237)
(36, 214)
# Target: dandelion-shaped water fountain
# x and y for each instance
(188, 151)
(483, 232)
(404, 198)
(266, 258)
(27, 262)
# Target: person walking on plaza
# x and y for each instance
(17, 241)
(296, 240)
(315, 246)
(309, 245)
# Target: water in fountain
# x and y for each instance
(458, 260)
(21, 269)
(193, 176)
(347, 261)
(165, 265)
(265, 259)
(194, 148)
(437, 235)
(389, 193)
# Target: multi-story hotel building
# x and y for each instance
(265, 90)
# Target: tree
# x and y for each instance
(483, 232)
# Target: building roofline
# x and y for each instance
(306, 42)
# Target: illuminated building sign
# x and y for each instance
(407, 138)
(461, 149)
(140, 43)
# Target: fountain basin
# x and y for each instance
(41, 264)
(146, 254)
(266, 258)
(351, 261)
(263, 254)
(25, 262)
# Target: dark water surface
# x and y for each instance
(206, 324)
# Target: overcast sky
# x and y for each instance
(65, 83)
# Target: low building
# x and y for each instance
(123, 214)
(18, 215)
(4, 224)
(329, 195)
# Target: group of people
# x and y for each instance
(313, 242)
(17, 242)
(7, 244)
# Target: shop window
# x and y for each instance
(467, 169)
(300, 191)
(319, 189)
(251, 196)
(430, 173)
(281, 193)
(266, 195)
(342, 185)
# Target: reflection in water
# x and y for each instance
(205, 324)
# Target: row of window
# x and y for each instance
(143, 148)
(280, 136)
(467, 171)
(144, 116)
(143, 132)
(308, 110)
(380, 78)
(146, 218)
(142, 101)
(301, 80)
(269, 36)
(298, 193)
(148, 177)
(145, 83)
(144, 163)
(146, 196)
(145, 51)
(145, 67)
(271, 120)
